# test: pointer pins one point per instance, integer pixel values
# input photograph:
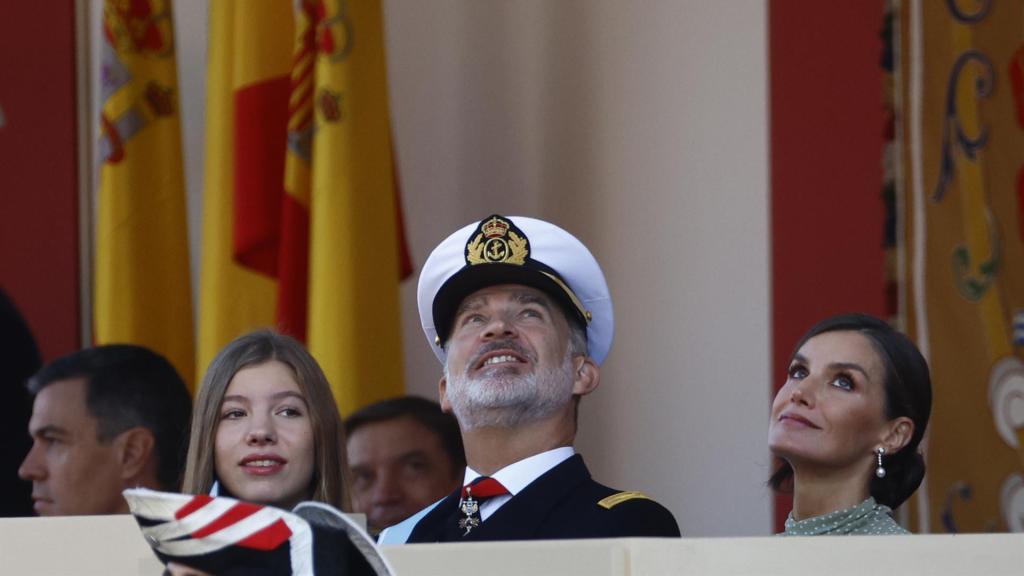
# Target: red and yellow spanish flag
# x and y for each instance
(355, 321)
(143, 291)
(248, 62)
(307, 219)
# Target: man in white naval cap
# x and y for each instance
(518, 312)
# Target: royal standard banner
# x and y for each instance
(143, 292)
(960, 96)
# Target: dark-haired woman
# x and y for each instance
(847, 425)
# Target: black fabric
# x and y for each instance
(20, 359)
(333, 554)
(561, 504)
(236, 561)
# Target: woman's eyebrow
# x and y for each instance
(850, 366)
(288, 394)
(835, 365)
(274, 397)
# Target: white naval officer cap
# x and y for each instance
(515, 250)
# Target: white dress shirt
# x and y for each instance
(513, 477)
(519, 475)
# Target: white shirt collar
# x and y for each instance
(519, 475)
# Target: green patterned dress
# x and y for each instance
(868, 518)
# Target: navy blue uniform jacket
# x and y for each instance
(561, 503)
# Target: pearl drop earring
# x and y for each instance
(880, 471)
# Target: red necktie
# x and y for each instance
(484, 487)
(473, 495)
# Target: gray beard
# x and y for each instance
(508, 400)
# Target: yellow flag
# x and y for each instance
(249, 56)
(354, 318)
(142, 285)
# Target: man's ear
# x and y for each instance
(586, 376)
(136, 447)
(442, 386)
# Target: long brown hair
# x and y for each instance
(329, 483)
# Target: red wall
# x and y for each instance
(826, 146)
(38, 185)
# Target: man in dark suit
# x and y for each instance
(519, 313)
(104, 419)
(404, 454)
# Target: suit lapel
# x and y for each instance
(436, 525)
(522, 516)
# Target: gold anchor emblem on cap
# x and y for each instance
(497, 243)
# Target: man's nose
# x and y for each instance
(387, 489)
(499, 327)
(32, 467)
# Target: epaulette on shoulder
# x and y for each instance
(616, 499)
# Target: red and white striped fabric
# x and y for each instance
(182, 527)
(223, 536)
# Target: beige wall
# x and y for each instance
(640, 127)
(114, 546)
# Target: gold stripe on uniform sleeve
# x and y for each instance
(616, 499)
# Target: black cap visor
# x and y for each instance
(473, 278)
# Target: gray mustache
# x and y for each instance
(501, 345)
